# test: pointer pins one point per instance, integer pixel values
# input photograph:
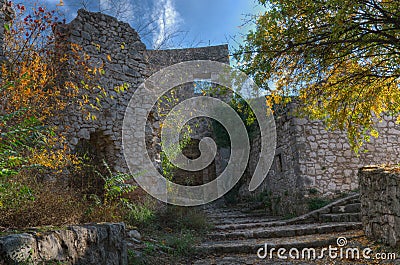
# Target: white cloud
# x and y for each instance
(167, 19)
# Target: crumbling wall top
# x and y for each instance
(158, 59)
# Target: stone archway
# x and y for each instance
(97, 153)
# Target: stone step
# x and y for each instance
(235, 214)
(253, 244)
(349, 208)
(252, 259)
(284, 231)
(220, 210)
(355, 200)
(264, 223)
(236, 209)
(241, 220)
(340, 217)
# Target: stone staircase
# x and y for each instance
(238, 232)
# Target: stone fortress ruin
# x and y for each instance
(307, 156)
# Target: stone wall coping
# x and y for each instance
(314, 215)
(381, 168)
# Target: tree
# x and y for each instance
(340, 57)
(33, 90)
(121, 9)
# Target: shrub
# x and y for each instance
(140, 214)
(317, 203)
(40, 206)
(181, 244)
(183, 218)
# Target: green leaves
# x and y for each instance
(342, 58)
(115, 186)
(14, 194)
(18, 134)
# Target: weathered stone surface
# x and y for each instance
(380, 203)
(310, 157)
(125, 60)
(248, 230)
(135, 234)
(97, 244)
(17, 248)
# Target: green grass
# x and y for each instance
(176, 229)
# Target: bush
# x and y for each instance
(183, 218)
(317, 203)
(140, 214)
(40, 206)
(181, 244)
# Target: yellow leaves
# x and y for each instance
(85, 99)
(97, 46)
(53, 159)
(91, 116)
(109, 57)
(374, 133)
(98, 101)
(121, 88)
(75, 48)
(94, 107)
(61, 3)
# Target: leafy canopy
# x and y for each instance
(340, 57)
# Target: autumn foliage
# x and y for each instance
(41, 76)
(340, 58)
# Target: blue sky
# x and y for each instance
(175, 23)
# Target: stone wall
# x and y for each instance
(116, 45)
(126, 61)
(311, 161)
(98, 244)
(158, 59)
(6, 15)
(327, 162)
(380, 203)
(283, 186)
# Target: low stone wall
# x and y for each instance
(97, 244)
(380, 203)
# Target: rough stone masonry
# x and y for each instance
(126, 60)
(380, 203)
(310, 159)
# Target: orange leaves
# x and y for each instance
(30, 79)
(52, 159)
(61, 3)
